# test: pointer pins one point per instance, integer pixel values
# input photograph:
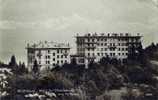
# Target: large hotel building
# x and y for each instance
(89, 47)
(95, 46)
(48, 54)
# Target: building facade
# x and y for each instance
(115, 45)
(48, 54)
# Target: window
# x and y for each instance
(65, 61)
(53, 59)
(110, 54)
(62, 61)
(47, 62)
(119, 54)
(102, 54)
(112, 49)
(98, 54)
(105, 44)
(61, 56)
(122, 49)
(88, 54)
(65, 56)
(53, 64)
(101, 44)
(39, 62)
(58, 62)
(53, 54)
(57, 51)
(48, 51)
(92, 40)
(93, 54)
(48, 57)
(105, 49)
(57, 56)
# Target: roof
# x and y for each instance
(46, 44)
(111, 35)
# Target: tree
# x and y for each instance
(104, 60)
(132, 52)
(13, 61)
(73, 61)
(13, 64)
(23, 68)
(35, 67)
(142, 56)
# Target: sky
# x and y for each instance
(28, 21)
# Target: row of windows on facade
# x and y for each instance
(58, 56)
(110, 34)
(111, 54)
(110, 44)
(58, 51)
(104, 49)
(111, 39)
(49, 62)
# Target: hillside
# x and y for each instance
(109, 79)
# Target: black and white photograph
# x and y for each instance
(78, 49)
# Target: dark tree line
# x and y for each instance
(17, 68)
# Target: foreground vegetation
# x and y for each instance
(134, 79)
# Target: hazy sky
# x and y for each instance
(23, 21)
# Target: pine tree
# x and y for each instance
(35, 67)
(13, 61)
(13, 64)
(132, 52)
(22, 68)
(73, 61)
